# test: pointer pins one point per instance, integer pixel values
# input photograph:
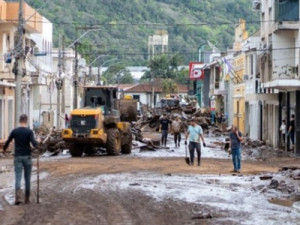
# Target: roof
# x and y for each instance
(125, 87)
(101, 87)
(147, 88)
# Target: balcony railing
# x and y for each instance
(286, 10)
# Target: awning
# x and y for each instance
(6, 84)
(283, 84)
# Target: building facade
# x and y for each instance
(9, 12)
(280, 58)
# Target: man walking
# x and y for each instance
(194, 133)
(22, 137)
(164, 122)
(176, 127)
(235, 144)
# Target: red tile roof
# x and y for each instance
(147, 88)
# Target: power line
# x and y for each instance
(186, 53)
(152, 24)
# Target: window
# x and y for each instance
(287, 10)
(217, 78)
(136, 97)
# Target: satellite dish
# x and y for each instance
(81, 62)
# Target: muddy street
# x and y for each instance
(145, 188)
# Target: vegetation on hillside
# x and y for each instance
(126, 24)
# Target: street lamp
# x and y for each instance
(100, 56)
(85, 33)
(75, 43)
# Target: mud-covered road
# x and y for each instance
(149, 190)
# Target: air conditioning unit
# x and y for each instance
(256, 5)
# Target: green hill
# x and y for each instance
(126, 24)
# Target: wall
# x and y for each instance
(6, 111)
(283, 59)
(34, 24)
(239, 107)
(3, 10)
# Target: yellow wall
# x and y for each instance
(239, 107)
(241, 34)
(239, 67)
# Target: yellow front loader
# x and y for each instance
(98, 125)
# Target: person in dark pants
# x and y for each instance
(194, 133)
(176, 127)
(22, 136)
(291, 132)
(164, 122)
(235, 144)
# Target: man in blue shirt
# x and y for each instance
(235, 144)
(194, 133)
(23, 137)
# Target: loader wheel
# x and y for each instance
(113, 145)
(76, 150)
(127, 144)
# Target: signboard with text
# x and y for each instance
(196, 71)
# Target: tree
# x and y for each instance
(163, 67)
(169, 86)
(182, 76)
(117, 73)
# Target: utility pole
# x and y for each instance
(63, 100)
(153, 91)
(18, 64)
(76, 77)
(59, 84)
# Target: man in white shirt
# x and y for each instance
(194, 133)
(283, 131)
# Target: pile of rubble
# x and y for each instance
(51, 141)
(146, 129)
(284, 184)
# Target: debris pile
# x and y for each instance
(146, 129)
(249, 143)
(51, 141)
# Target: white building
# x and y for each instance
(253, 95)
(143, 92)
(39, 66)
(38, 31)
(280, 60)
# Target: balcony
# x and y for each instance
(286, 15)
(286, 10)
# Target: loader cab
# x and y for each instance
(103, 97)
